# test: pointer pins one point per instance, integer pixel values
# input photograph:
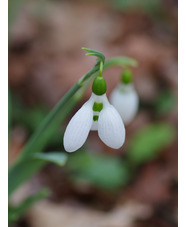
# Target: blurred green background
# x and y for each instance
(96, 186)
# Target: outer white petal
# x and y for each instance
(110, 127)
(78, 128)
(126, 101)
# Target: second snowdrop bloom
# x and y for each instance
(125, 99)
(96, 114)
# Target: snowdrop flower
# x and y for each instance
(125, 99)
(96, 114)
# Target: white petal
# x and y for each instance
(94, 126)
(110, 127)
(78, 128)
(126, 101)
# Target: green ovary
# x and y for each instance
(99, 86)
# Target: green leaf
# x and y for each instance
(25, 169)
(147, 6)
(58, 158)
(149, 141)
(22, 171)
(13, 10)
(14, 213)
(165, 103)
(97, 169)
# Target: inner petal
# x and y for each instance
(94, 126)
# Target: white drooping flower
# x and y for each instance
(96, 114)
(125, 99)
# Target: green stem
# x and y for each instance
(101, 69)
(120, 61)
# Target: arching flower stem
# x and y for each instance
(101, 69)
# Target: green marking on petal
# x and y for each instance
(97, 107)
(95, 117)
